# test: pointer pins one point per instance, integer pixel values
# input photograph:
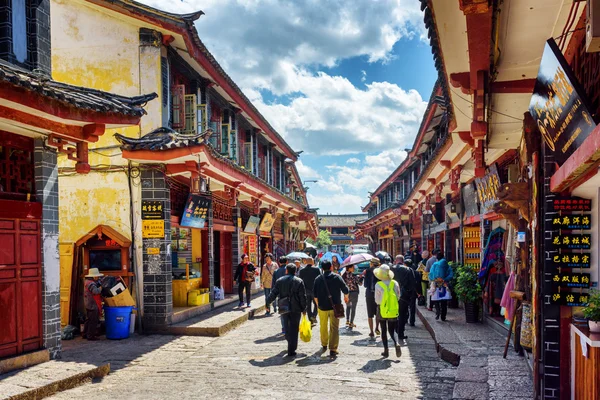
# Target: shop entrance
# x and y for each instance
(20, 278)
(265, 247)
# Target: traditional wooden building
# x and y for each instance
(40, 119)
(341, 230)
(202, 180)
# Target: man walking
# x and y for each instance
(308, 275)
(292, 295)
(328, 290)
(405, 278)
(266, 278)
(280, 273)
(370, 280)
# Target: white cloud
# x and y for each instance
(306, 172)
(341, 204)
(353, 160)
(363, 75)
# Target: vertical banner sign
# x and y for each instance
(487, 188)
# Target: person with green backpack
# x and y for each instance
(387, 293)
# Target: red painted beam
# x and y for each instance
(466, 137)
(518, 86)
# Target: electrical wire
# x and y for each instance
(491, 109)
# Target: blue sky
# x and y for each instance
(346, 82)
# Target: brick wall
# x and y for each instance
(157, 286)
(41, 57)
(46, 187)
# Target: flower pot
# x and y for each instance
(472, 312)
(594, 326)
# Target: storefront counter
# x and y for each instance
(585, 364)
(181, 287)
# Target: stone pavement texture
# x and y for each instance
(477, 349)
(249, 363)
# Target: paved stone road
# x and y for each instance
(248, 363)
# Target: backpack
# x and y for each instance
(389, 303)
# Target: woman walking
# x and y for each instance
(244, 276)
(266, 279)
(387, 294)
(352, 281)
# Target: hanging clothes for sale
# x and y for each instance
(507, 301)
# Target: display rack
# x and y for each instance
(472, 246)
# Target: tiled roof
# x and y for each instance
(162, 139)
(340, 220)
(77, 96)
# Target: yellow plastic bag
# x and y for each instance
(305, 329)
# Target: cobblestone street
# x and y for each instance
(249, 363)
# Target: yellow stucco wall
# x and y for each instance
(99, 49)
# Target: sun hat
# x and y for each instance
(94, 273)
(383, 273)
(375, 261)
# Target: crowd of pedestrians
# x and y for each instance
(319, 292)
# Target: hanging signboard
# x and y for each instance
(469, 196)
(558, 105)
(569, 279)
(572, 241)
(153, 229)
(195, 212)
(571, 204)
(267, 223)
(569, 299)
(152, 209)
(252, 224)
(578, 260)
(572, 222)
(487, 188)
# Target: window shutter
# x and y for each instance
(248, 156)
(225, 140)
(179, 107)
(191, 111)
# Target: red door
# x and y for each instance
(226, 263)
(205, 274)
(20, 279)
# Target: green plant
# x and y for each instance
(592, 311)
(323, 240)
(467, 286)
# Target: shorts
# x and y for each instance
(371, 306)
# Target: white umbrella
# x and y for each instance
(298, 255)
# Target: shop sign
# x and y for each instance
(153, 229)
(267, 223)
(569, 279)
(487, 187)
(153, 250)
(253, 249)
(573, 222)
(521, 237)
(342, 241)
(195, 213)
(559, 106)
(470, 199)
(570, 299)
(579, 260)
(252, 224)
(571, 204)
(572, 241)
(152, 209)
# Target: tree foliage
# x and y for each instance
(323, 240)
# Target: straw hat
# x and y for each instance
(94, 273)
(383, 273)
(375, 261)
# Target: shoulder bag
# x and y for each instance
(338, 309)
(284, 304)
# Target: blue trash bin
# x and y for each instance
(117, 320)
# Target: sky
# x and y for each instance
(344, 81)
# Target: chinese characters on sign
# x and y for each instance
(571, 204)
(252, 249)
(152, 209)
(570, 299)
(572, 241)
(153, 229)
(195, 213)
(487, 188)
(557, 106)
(577, 260)
(572, 222)
(571, 280)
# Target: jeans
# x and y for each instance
(388, 325)
(267, 293)
(441, 307)
(330, 329)
(311, 307)
(351, 306)
(244, 285)
(292, 324)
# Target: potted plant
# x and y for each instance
(468, 290)
(453, 302)
(592, 311)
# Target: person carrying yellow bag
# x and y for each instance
(305, 329)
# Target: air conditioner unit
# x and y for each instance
(592, 26)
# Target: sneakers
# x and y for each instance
(241, 304)
(333, 353)
(249, 305)
(372, 336)
(268, 313)
(385, 353)
(377, 332)
(398, 351)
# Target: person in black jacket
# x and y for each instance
(326, 284)
(308, 275)
(292, 288)
(406, 278)
(412, 305)
(280, 273)
(244, 276)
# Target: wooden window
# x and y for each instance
(178, 107)
(233, 144)
(248, 159)
(190, 114)
(225, 139)
(201, 118)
